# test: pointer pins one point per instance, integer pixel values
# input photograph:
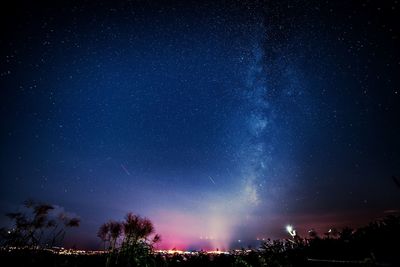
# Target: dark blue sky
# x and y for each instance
(225, 120)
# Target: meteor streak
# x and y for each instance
(212, 180)
(125, 169)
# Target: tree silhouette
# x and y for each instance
(136, 228)
(346, 234)
(115, 232)
(110, 232)
(136, 246)
(104, 233)
(37, 227)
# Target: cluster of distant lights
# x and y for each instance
(62, 251)
(289, 228)
(57, 250)
(175, 251)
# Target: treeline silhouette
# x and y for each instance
(130, 243)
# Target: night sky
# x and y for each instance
(221, 122)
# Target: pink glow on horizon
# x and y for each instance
(187, 231)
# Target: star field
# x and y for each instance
(225, 120)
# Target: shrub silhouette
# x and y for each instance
(136, 246)
(35, 227)
(110, 232)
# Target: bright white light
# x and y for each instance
(290, 230)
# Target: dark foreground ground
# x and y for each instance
(253, 259)
(376, 244)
